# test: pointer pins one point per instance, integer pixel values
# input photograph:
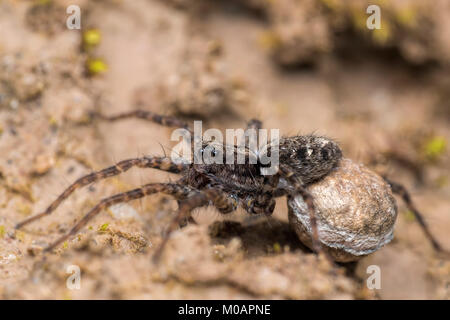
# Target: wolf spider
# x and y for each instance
(303, 160)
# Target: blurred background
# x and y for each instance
(298, 65)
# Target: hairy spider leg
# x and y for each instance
(399, 189)
(167, 121)
(299, 188)
(221, 200)
(254, 124)
(177, 191)
(161, 163)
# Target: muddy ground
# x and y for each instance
(301, 66)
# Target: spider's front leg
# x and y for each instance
(161, 163)
(220, 199)
(179, 192)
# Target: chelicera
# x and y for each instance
(303, 161)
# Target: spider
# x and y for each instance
(303, 159)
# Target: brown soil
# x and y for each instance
(386, 102)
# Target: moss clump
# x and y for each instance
(96, 66)
(383, 35)
(53, 122)
(91, 38)
(103, 227)
(277, 247)
(43, 2)
(435, 147)
(407, 17)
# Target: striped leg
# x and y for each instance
(162, 163)
(221, 200)
(254, 124)
(298, 188)
(179, 192)
(167, 121)
(309, 200)
(402, 192)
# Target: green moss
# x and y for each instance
(2, 231)
(53, 122)
(91, 38)
(381, 36)
(43, 2)
(435, 147)
(277, 247)
(96, 66)
(359, 19)
(103, 227)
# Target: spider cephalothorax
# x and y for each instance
(227, 185)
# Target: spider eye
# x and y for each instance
(301, 153)
(325, 154)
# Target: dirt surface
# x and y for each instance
(301, 66)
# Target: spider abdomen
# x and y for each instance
(355, 212)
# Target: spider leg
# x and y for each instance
(299, 188)
(254, 124)
(175, 190)
(166, 121)
(261, 204)
(187, 220)
(404, 194)
(221, 200)
(162, 163)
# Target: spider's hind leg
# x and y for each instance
(404, 194)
